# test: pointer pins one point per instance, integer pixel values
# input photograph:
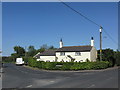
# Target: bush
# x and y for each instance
(32, 62)
(48, 65)
(8, 59)
(100, 65)
(87, 60)
(68, 65)
(39, 64)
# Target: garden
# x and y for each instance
(68, 65)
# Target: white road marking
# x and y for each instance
(52, 81)
(29, 86)
(91, 86)
(110, 78)
(68, 77)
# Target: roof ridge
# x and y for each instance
(50, 50)
(78, 46)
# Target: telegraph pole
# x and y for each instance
(25, 51)
(101, 43)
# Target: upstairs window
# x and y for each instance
(62, 53)
(77, 53)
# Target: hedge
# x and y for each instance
(8, 59)
(68, 65)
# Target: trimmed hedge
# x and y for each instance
(8, 59)
(68, 65)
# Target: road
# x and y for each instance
(23, 77)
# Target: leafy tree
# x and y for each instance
(52, 47)
(45, 46)
(117, 57)
(20, 51)
(15, 55)
(40, 50)
(107, 55)
(31, 51)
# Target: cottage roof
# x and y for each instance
(65, 49)
(37, 55)
(74, 49)
(48, 53)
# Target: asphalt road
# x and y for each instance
(22, 77)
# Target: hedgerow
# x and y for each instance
(68, 65)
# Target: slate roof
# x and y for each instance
(75, 49)
(37, 55)
(48, 53)
(65, 49)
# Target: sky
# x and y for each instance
(0, 28)
(38, 23)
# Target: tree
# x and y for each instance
(45, 46)
(31, 51)
(117, 57)
(52, 47)
(40, 50)
(20, 51)
(107, 55)
(15, 55)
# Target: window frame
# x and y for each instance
(77, 53)
(62, 53)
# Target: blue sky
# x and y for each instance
(41, 23)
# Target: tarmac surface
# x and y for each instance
(23, 77)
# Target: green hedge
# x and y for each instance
(68, 65)
(8, 59)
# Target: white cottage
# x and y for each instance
(70, 53)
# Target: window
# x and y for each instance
(77, 53)
(81, 60)
(47, 60)
(62, 53)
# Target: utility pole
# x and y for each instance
(25, 51)
(101, 43)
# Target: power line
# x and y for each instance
(88, 20)
(80, 14)
(110, 36)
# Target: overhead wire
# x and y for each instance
(110, 36)
(88, 20)
(80, 13)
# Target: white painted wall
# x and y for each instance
(93, 54)
(82, 57)
(47, 58)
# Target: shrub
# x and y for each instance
(39, 64)
(87, 60)
(90, 65)
(68, 65)
(100, 65)
(49, 65)
(8, 59)
(32, 62)
(76, 66)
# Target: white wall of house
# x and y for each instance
(47, 58)
(93, 54)
(82, 57)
